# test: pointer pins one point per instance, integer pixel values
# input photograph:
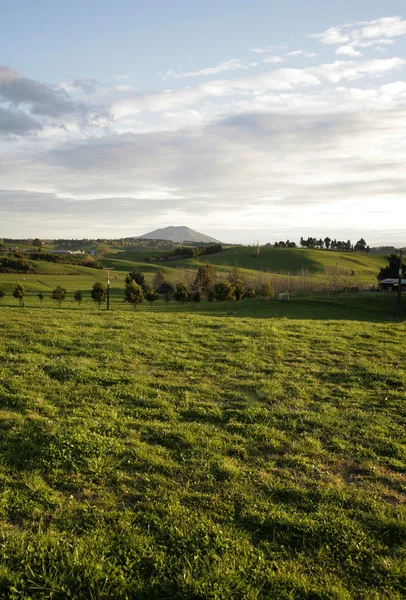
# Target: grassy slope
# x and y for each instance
(163, 455)
(275, 260)
(294, 260)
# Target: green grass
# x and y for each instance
(291, 268)
(181, 453)
(295, 260)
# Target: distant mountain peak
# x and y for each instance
(178, 235)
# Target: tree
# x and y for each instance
(392, 268)
(237, 281)
(224, 291)
(59, 294)
(2, 294)
(166, 289)
(41, 299)
(327, 242)
(205, 279)
(251, 293)
(151, 296)
(138, 277)
(133, 293)
(181, 292)
(78, 297)
(196, 298)
(360, 246)
(19, 293)
(98, 293)
(266, 292)
(158, 280)
(37, 243)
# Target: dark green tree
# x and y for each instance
(224, 291)
(181, 292)
(59, 294)
(133, 293)
(98, 293)
(237, 281)
(137, 276)
(266, 292)
(19, 293)
(196, 298)
(151, 296)
(360, 246)
(392, 268)
(78, 297)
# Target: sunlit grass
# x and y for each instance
(183, 453)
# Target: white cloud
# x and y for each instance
(277, 80)
(266, 49)
(273, 60)
(334, 35)
(375, 33)
(348, 50)
(386, 27)
(303, 53)
(228, 65)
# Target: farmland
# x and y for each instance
(182, 453)
(289, 269)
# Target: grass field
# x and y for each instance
(180, 453)
(293, 270)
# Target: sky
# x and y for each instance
(244, 120)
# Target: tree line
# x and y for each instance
(204, 286)
(338, 245)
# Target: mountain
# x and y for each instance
(178, 235)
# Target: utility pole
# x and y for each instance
(398, 311)
(108, 269)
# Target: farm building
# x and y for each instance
(391, 285)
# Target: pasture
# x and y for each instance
(181, 453)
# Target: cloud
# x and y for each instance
(348, 50)
(381, 28)
(88, 85)
(303, 53)
(277, 80)
(273, 59)
(32, 105)
(13, 122)
(334, 35)
(228, 65)
(284, 166)
(373, 34)
(266, 49)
